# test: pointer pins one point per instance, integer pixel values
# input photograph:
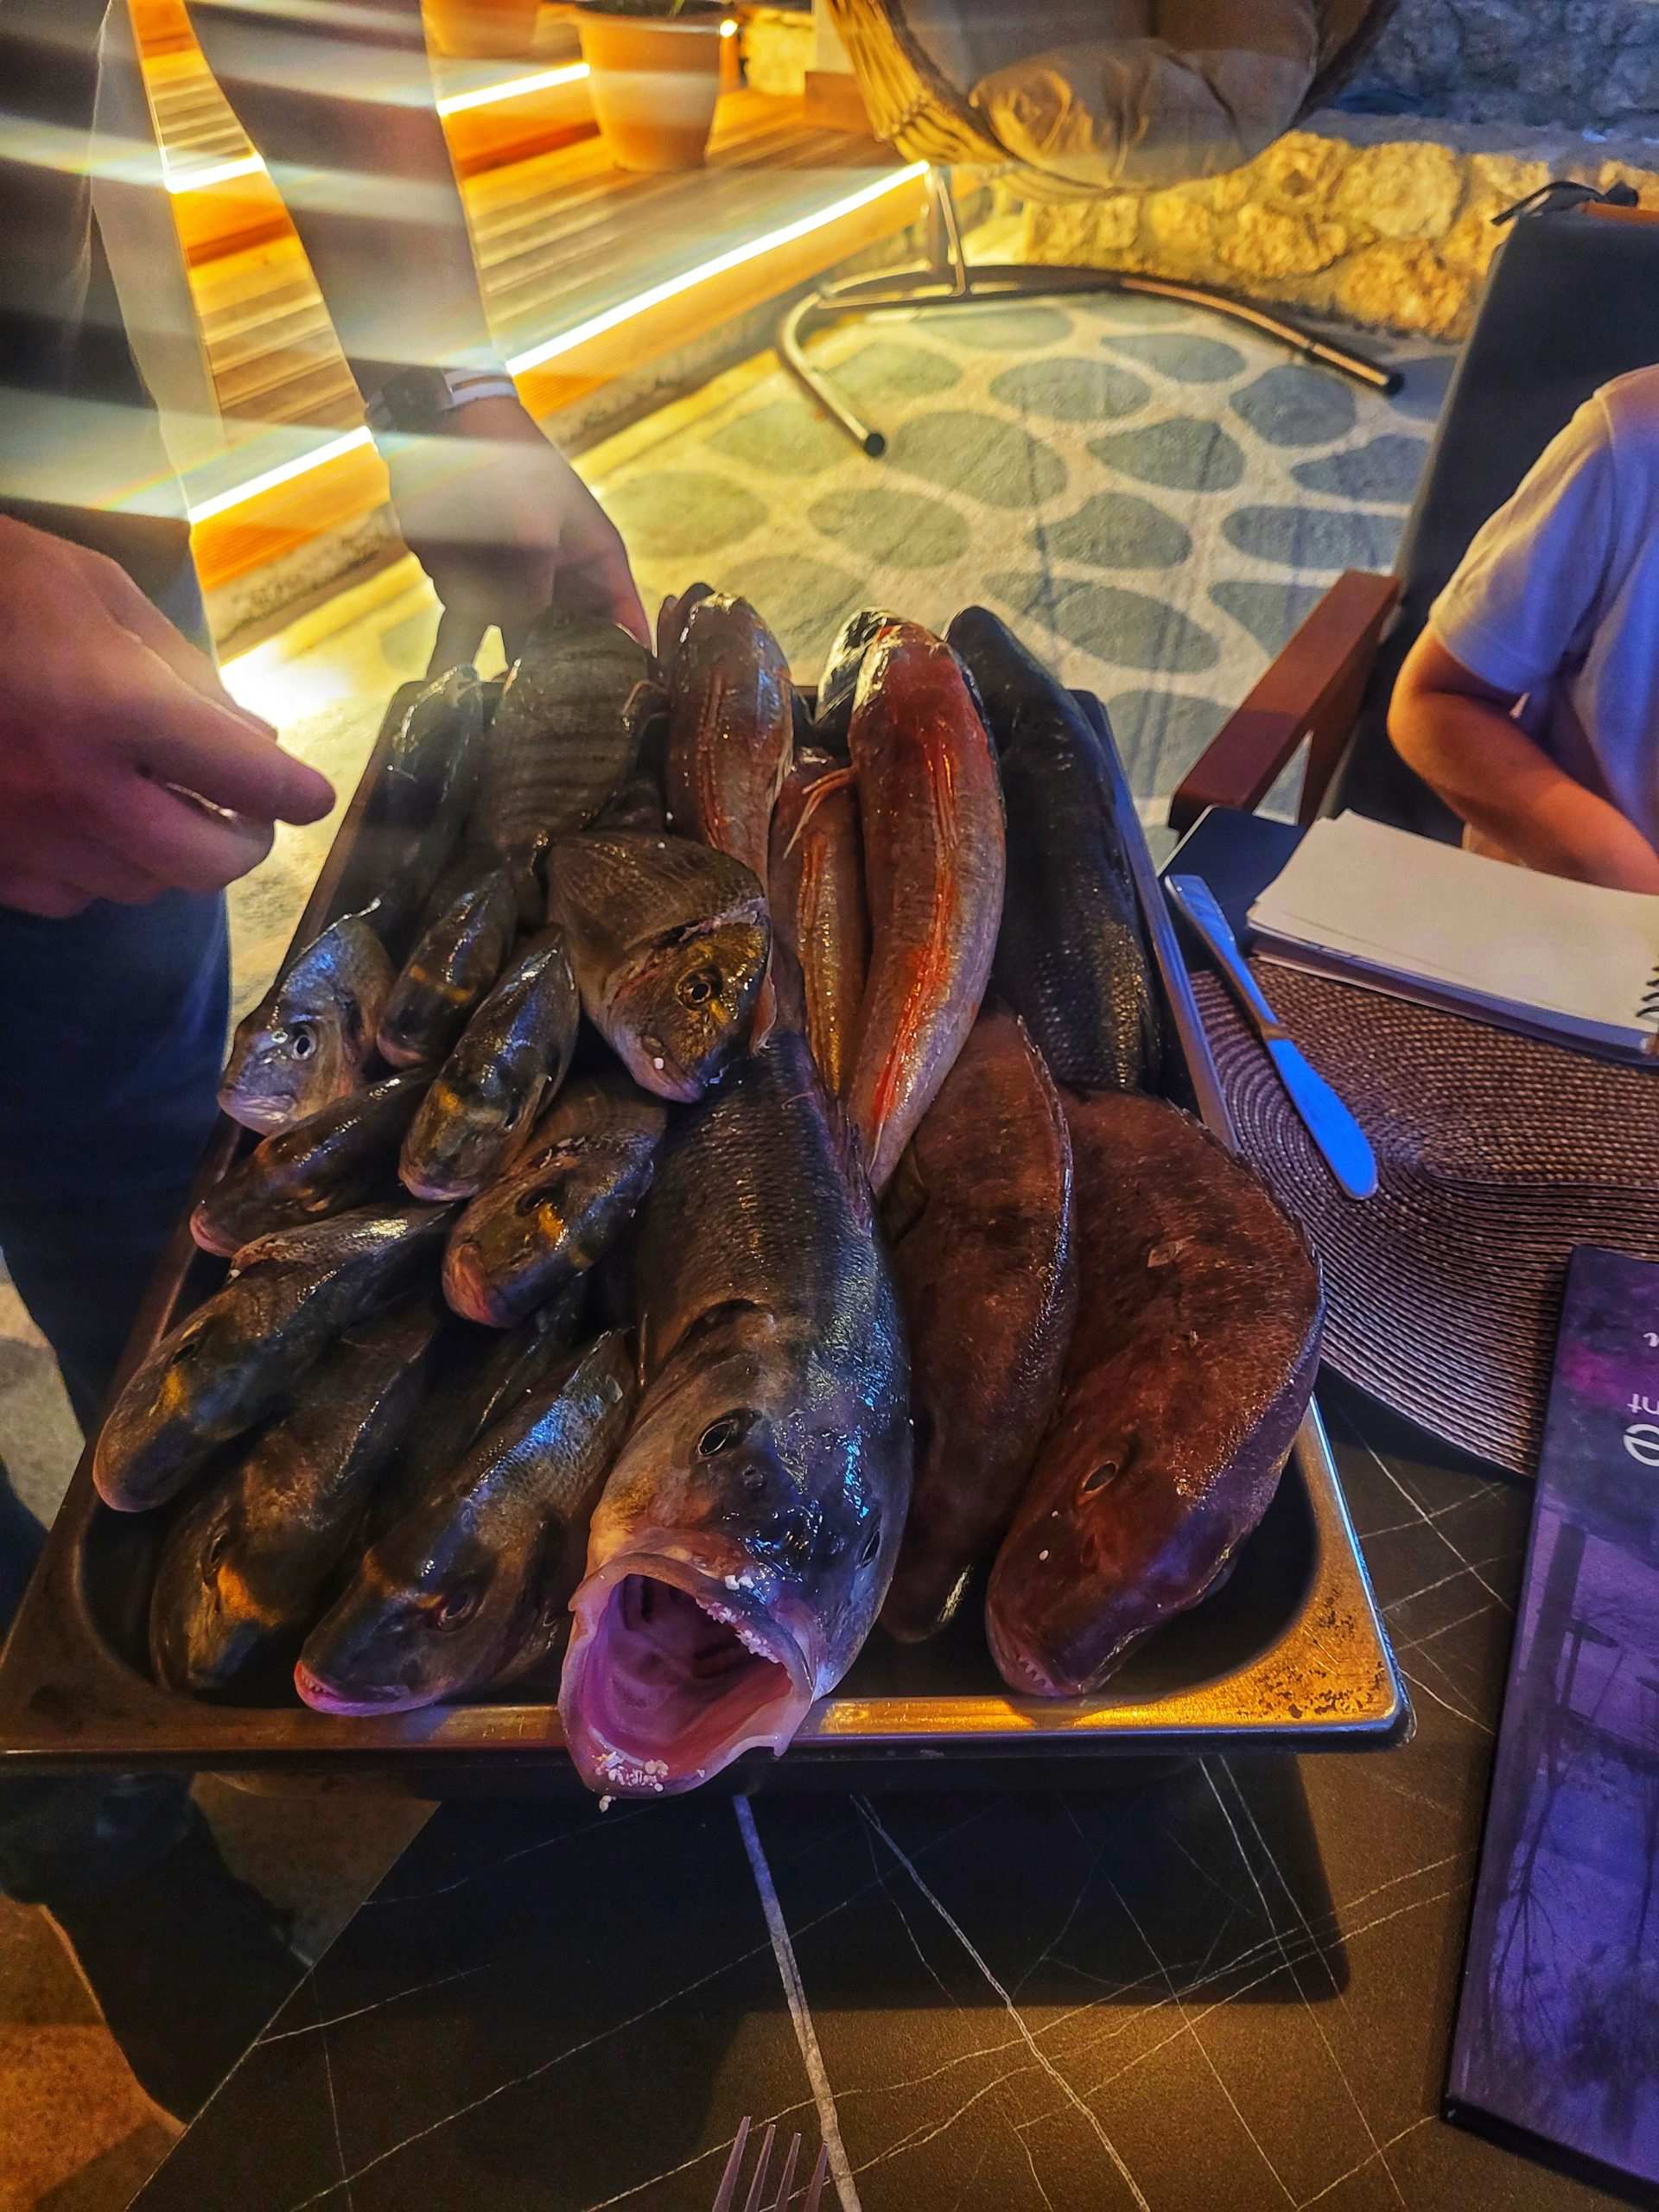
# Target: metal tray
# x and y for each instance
(1290, 1653)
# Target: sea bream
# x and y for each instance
(469, 1589)
(744, 1542)
(310, 1038)
(931, 811)
(457, 960)
(236, 1359)
(336, 1158)
(668, 939)
(243, 1566)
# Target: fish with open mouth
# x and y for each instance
(743, 1544)
(336, 1158)
(817, 904)
(581, 1181)
(1071, 958)
(986, 1262)
(563, 738)
(931, 810)
(670, 941)
(236, 1358)
(480, 1111)
(469, 1589)
(310, 1038)
(1196, 1342)
(243, 1566)
(457, 960)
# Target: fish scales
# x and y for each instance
(819, 905)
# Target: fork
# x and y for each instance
(757, 2200)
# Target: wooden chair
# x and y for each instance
(1073, 98)
(1570, 301)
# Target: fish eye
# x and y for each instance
(526, 1204)
(722, 1434)
(302, 1041)
(456, 1607)
(699, 987)
(871, 1543)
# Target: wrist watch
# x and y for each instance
(416, 399)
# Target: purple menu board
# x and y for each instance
(1558, 2025)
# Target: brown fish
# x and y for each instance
(562, 739)
(455, 962)
(670, 941)
(581, 1182)
(987, 1280)
(333, 1159)
(481, 1108)
(1198, 1337)
(309, 1039)
(817, 904)
(934, 858)
(240, 1354)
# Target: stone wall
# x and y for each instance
(1582, 62)
(1344, 219)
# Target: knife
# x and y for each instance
(1342, 1142)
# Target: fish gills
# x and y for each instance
(457, 960)
(1071, 957)
(237, 1358)
(818, 907)
(309, 1039)
(987, 1280)
(740, 1551)
(1197, 1338)
(470, 1588)
(670, 941)
(333, 1159)
(480, 1111)
(931, 810)
(576, 1188)
(243, 1566)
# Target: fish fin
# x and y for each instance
(838, 780)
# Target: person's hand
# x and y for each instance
(502, 524)
(126, 768)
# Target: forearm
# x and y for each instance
(1487, 770)
(340, 105)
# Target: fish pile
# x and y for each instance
(714, 1194)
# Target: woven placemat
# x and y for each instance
(1496, 1153)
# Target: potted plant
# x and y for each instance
(653, 74)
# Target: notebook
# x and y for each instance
(1426, 921)
(1558, 2024)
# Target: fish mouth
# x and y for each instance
(672, 1672)
(321, 1698)
(264, 1111)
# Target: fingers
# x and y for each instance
(176, 736)
(461, 631)
(43, 895)
(180, 841)
(595, 575)
(151, 628)
(92, 869)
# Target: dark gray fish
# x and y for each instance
(839, 682)
(418, 810)
(457, 960)
(670, 941)
(243, 1566)
(1070, 957)
(581, 1181)
(481, 1108)
(334, 1158)
(309, 1039)
(744, 1542)
(470, 1588)
(563, 737)
(242, 1352)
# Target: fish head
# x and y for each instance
(456, 1141)
(284, 1066)
(429, 1614)
(680, 1010)
(209, 1628)
(735, 1562)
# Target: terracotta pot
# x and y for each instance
(654, 83)
(467, 28)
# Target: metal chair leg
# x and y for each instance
(948, 279)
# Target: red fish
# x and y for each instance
(817, 904)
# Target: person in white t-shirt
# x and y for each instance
(1530, 703)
